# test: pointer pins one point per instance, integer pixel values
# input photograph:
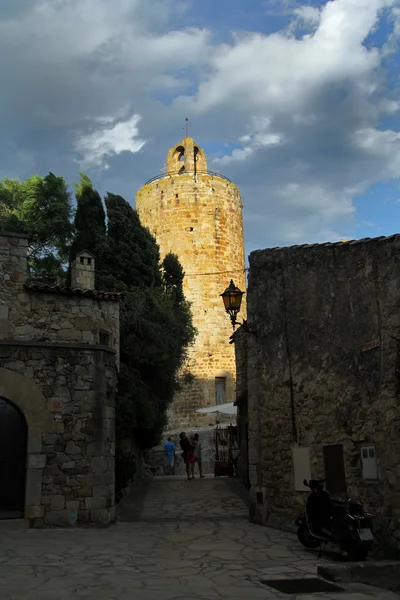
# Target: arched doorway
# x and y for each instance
(13, 448)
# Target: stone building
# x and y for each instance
(58, 366)
(318, 379)
(197, 214)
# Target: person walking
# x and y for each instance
(187, 454)
(197, 453)
(169, 456)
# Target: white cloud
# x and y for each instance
(275, 71)
(114, 33)
(298, 115)
(261, 137)
(383, 146)
(314, 101)
(237, 154)
(310, 15)
(109, 139)
(81, 59)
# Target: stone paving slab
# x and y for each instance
(180, 558)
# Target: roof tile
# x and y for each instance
(67, 291)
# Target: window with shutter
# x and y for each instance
(220, 390)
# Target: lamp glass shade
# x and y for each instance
(232, 298)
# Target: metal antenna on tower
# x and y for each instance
(186, 128)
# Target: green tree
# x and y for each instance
(41, 208)
(173, 278)
(156, 324)
(90, 220)
(132, 254)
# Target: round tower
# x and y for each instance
(197, 215)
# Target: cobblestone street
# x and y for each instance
(191, 540)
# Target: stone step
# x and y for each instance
(377, 573)
(11, 524)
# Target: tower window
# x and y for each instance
(82, 260)
(89, 261)
(180, 154)
(176, 195)
(182, 170)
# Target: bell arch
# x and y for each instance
(186, 158)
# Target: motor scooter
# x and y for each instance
(327, 520)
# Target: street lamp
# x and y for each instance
(232, 298)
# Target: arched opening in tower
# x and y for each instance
(178, 159)
(180, 154)
(181, 170)
(196, 157)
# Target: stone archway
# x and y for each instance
(26, 395)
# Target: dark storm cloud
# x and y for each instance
(85, 84)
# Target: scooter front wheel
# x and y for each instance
(305, 538)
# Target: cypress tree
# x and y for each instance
(133, 254)
(183, 332)
(90, 222)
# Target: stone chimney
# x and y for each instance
(13, 262)
(83, 270)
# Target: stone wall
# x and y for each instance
(321, 371)
(198, 216)
(46, 313)
(240, 339)
(58, 367)
(71, 447)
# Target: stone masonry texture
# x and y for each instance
(54, 370)
(198, 216)
(325, 318)
(27, 315)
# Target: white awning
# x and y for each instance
(226, 409)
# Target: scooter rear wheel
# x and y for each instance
(305, 538)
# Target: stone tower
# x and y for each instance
(197, 214)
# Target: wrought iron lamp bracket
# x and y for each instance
(247, 328)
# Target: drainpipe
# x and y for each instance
(289, 358)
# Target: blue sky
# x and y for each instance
(296, 102)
